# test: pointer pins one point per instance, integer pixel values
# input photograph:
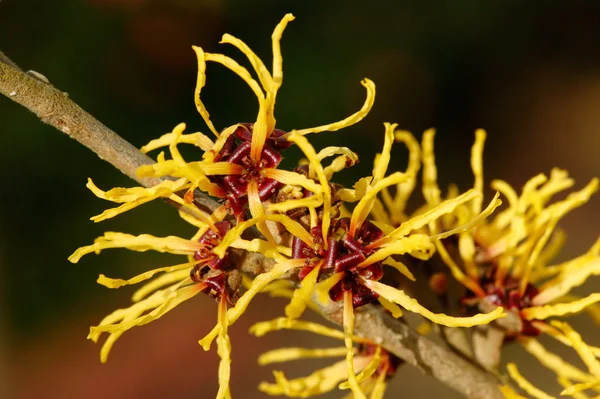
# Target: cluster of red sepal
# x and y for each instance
(505, 293)
(343, 255)
(210, 269)
(236, 150)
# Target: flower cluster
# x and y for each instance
(505, 261)
(319, 243)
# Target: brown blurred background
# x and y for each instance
(528, 72)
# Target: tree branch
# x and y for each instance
(56, 109)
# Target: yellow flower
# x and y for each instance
(373, 364)
(241, 165)
(343, 257)
(505, 261)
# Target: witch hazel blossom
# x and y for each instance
(328, 243)
(239, 166)
(505, 261)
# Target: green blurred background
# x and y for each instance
(528, 72)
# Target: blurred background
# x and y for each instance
(527, 72)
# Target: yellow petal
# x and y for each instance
(259, 67)
(477, 167)
(368, 371)
(412, 305)
(401, 246)
(348, 333)
(281, 355)
(380, 385)
(258, 284)
(198, 139)
(364, 206)
(161, 302)
(302, 295)
(384, 160)
(445, 207)
(117, 283)
(553, 362)
(456, 271)
(283, 323)
(322, 289)
(292, 178)
(525, 385)
(141, 243)
(175, 277)
(345, 159)
(569, 279)
(313, 201)
(390, 307)
(263, 247)
(583, 350)
(401, 267)
(319, 382)
(257, 210)
(496, 202)
(349, 121)
(566, 384)
(277, 58)
(200, 82)
(560, 309)
(311, 155)
(224, 351)
(133, 197)
(431, 190)
(509, 393)
(504, 218)
(404, 190)
(578, 388)
(293, 227)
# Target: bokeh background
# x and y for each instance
(528, 72)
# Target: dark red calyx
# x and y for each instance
(267, 189)
(348, 261)
(369, 233)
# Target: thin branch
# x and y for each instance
(56, 109)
